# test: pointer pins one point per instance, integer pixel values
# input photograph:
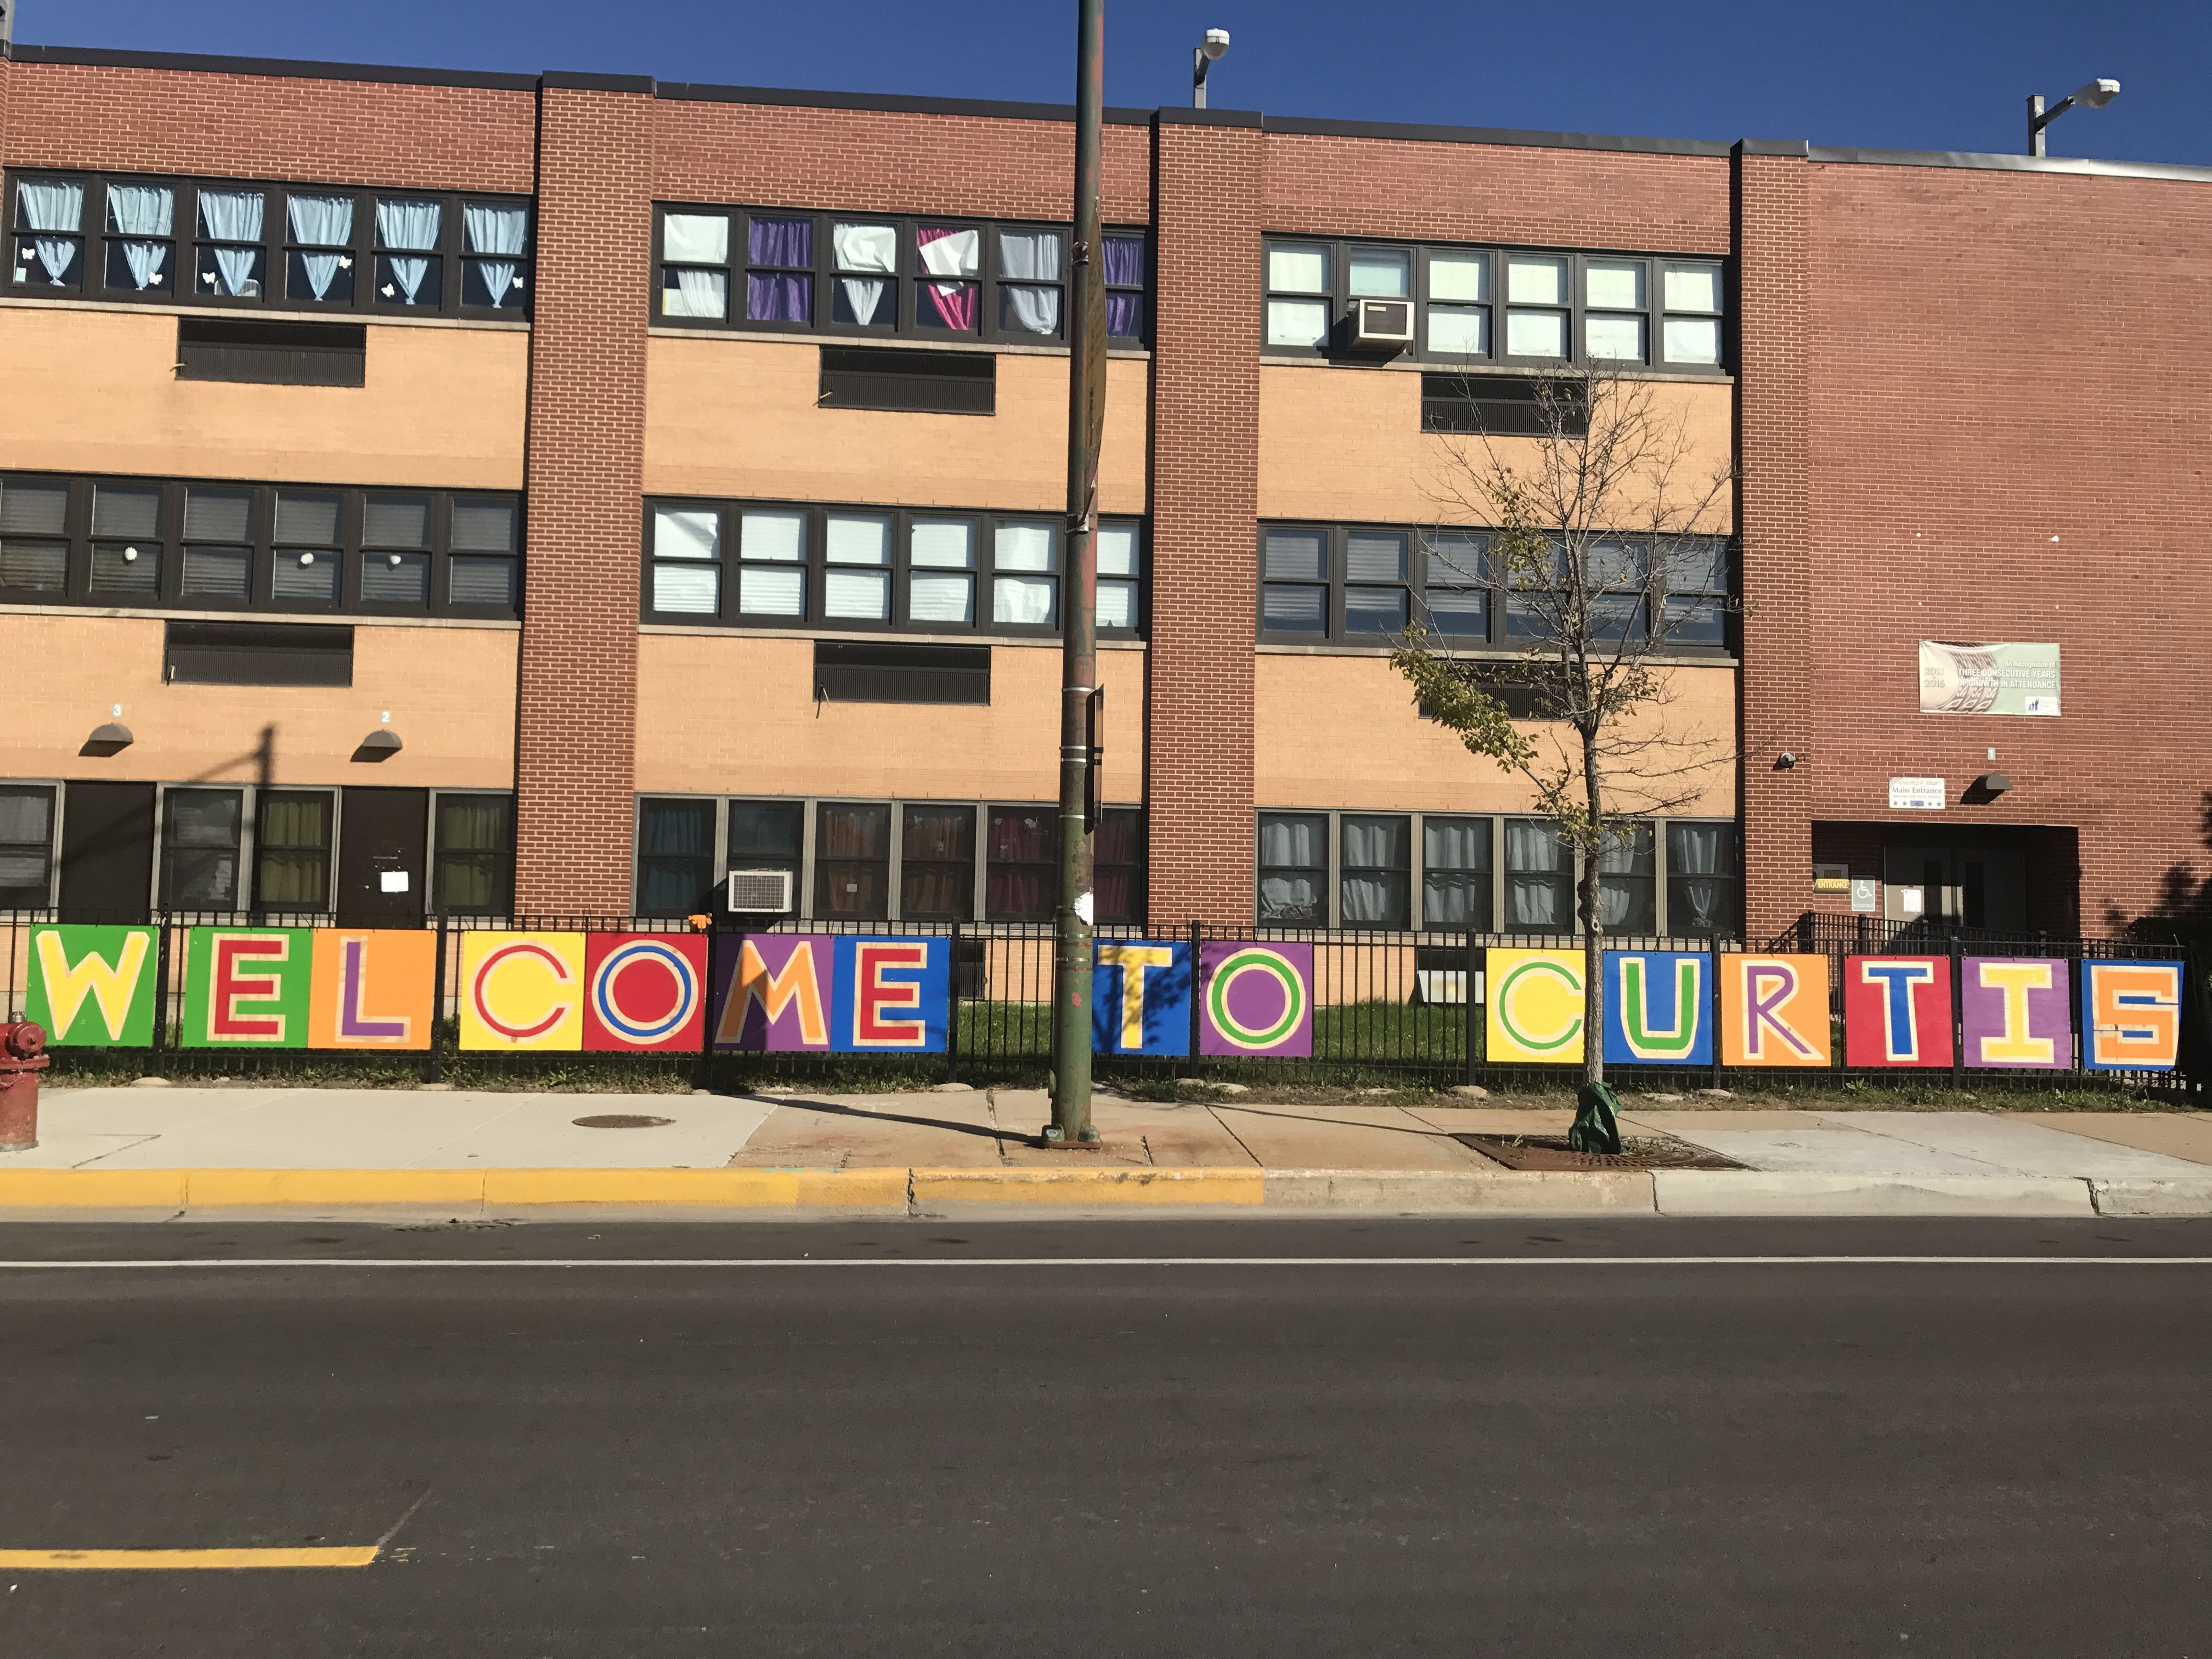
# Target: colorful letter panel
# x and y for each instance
(772, 992)
(371, 989)
(2131, 1016)
(1897, 1011)
(1256, 999)
(893, 996)
(1535, 1008)
(1774, 1011)
(1140, 997)
(522, 991)
(1658, 1008)
(92, 988)
(246, 988)
(644, 991)
(2017, 1011)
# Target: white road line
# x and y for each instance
(218, 1263)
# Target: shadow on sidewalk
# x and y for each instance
(835, 1110)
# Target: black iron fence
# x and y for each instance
(1389, 1009)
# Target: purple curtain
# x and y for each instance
(1125, 261)
(788, 242)
(775, 297)
(1117, 900)
(1125, 314)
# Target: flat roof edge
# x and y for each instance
(889, 102)
(2076, 167)
(1407, 132)
(280, 68)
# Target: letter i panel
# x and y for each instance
(1897, 1011)
(92, 988)
(893, 996)
(2018, 1012)
(246, 988)
(372, 989)
(645, 990)
(2131, 1016)
(1658, 1008)
(1140, 997)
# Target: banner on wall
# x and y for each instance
(2131, 1016)
(1897, 1011)
(2005, 678)
(2017, 1012)
(1535, 1008)
(1140, 997)
(92, 988)
(645, 991)
(1658, 1008)
(522, 991)
(1255, 1000)
(246, 988)
(1774, 1011)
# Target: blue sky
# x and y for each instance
(1928, 76)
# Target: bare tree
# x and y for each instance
(1606, 539)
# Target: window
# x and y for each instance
(1704, 885)
(199, 849)
(258, 547)
(1539, 879)
(1119, 864)
(26, 846)
(474, 856)
(1478, 306)
(852, 862)
(909, 381)
(1294, 869)
(937, 863)
(1628, 895)
(257, 353)
(1362, 586)
(768, 835)
(292, 850)
(675, 856)
(1022, 848)
(312, 247)
(256, 653)
(876, 569)
(1455, 873)
(828, 273)
(1376, 863)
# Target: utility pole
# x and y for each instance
(1080, 714)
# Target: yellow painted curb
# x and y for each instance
(707, 1189)
(1081, 1186)
(240, 1189)
(73, 1189)
(350, 1555)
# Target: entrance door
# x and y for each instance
(107, 852)
(1971, 880)
(384, 837)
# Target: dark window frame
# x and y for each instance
(907, 279)
(168, 548)
(444, 857)
(275, 245)
(1497, 304)
(814, 619)
(48, 850)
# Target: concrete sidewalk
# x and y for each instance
(202, 1148)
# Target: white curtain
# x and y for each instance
(1032, 310)
(1456, 845)
(413, 226)
(321, 221)
(697, 294)
(1030, 256)
(141, 210)
(497, 230)
(1031, 600)
(233, 215)
(862, 296)
(1534, 895)
(679, 534)
(51, 204)
(702, 239)
(1375, 844)
(1293, 841)
(958, 253)
(869, 249)
(1693, 861)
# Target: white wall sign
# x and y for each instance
(1865, 895)
(1915, 795)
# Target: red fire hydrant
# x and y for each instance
(22, 1057)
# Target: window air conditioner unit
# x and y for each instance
(760, 892)
(1382, 325)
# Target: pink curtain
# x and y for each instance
(950, 304)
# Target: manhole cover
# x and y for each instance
(1637, 1152)
(622, 1121)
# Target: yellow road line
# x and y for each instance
(341, 1555)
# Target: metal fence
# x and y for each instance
(1389, 1008)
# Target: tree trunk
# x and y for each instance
(1592, 926)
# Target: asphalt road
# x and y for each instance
(1655, 1458)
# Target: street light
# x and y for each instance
(2095, 95)
(1203, 56)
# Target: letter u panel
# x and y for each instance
(1658, 1008)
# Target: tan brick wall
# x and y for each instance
(576, 745)
(737, 418)
(450, 692)
(443, 408)
(735, 714)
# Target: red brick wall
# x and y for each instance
(576, 751)
(2008, 373)
(1496, 192)
(278, 127)
(885, 161)
(1772, 446)
(1205, 458)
